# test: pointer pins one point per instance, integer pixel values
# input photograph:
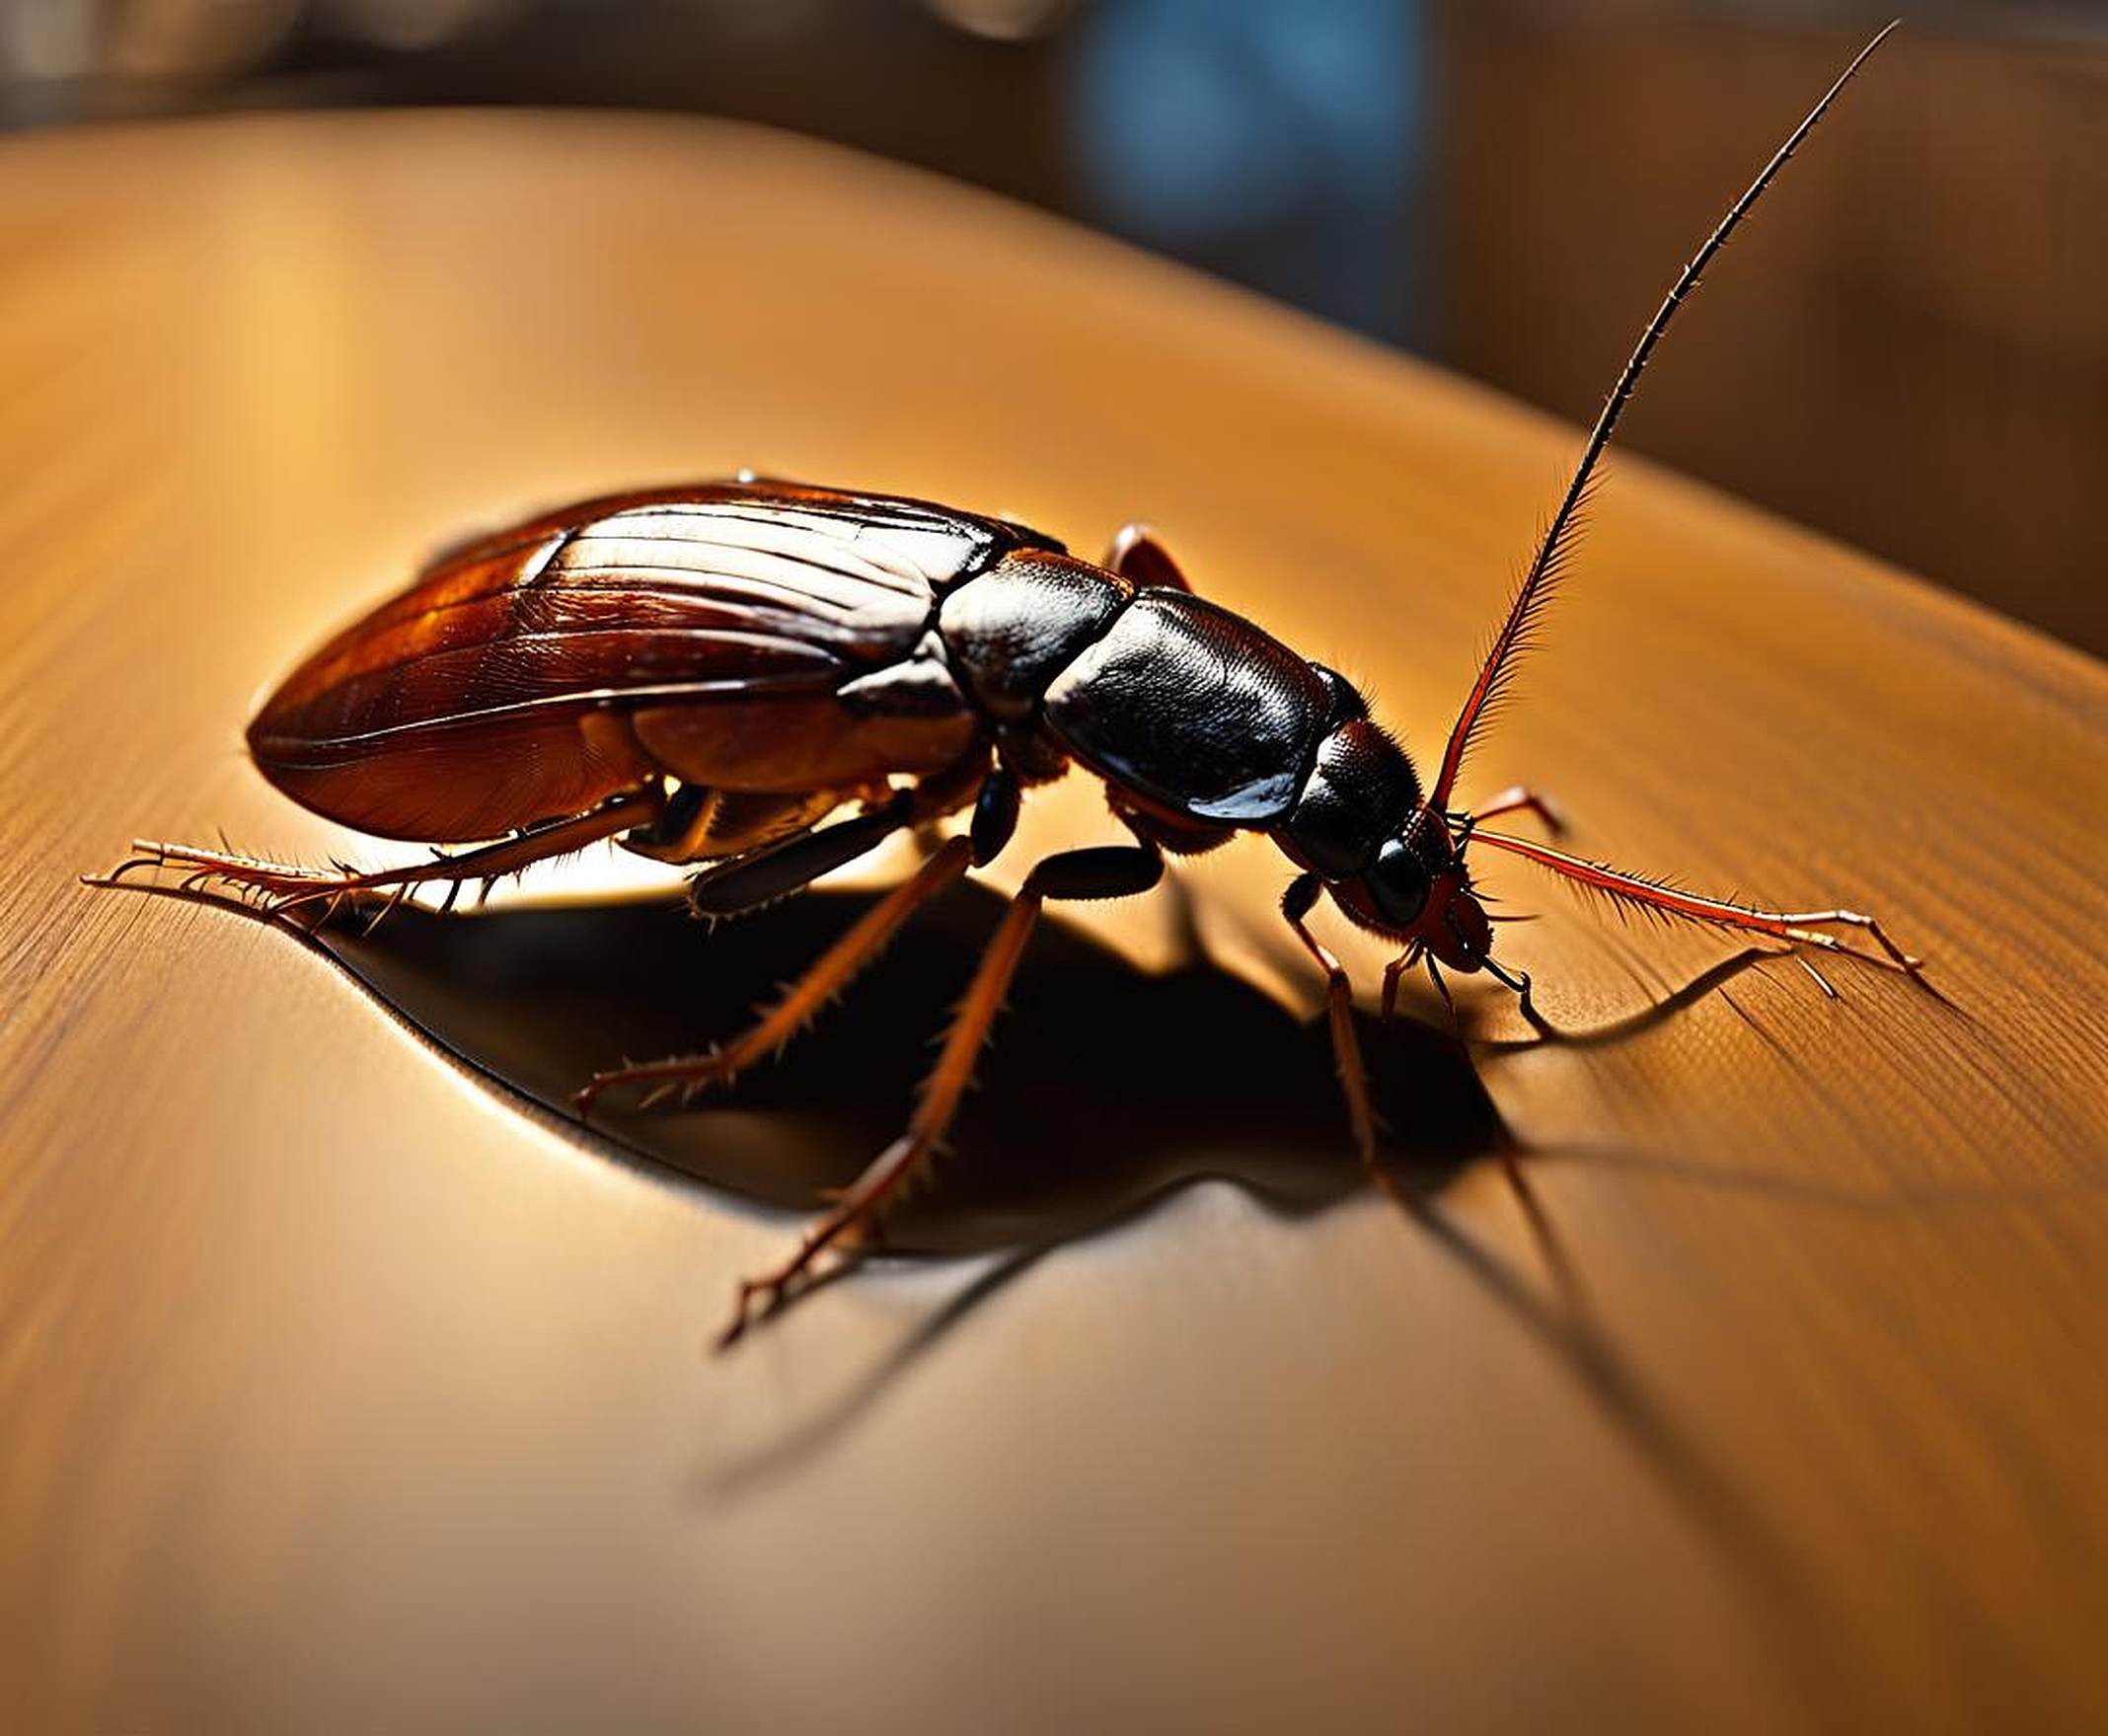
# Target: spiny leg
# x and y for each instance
(1296, 905)
(804, 998)
(792, 864)
(288, 889)
(1109, 872)
(1799, 928)
(789, 865)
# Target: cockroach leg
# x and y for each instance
(1801, 928)
(802, 1000)
(1434, 975)
(1109, 872)
(677, 831)
(1395, 971)
(1296, 905)
(387, 905)
(791, 865)
(1519, 981)
(313, 894)
(1138, 558)
(1517, 799)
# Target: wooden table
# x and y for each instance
(342, 1387)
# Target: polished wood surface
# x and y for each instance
(341, 1386)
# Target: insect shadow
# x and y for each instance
(1107, 1088)
(1104, 1088)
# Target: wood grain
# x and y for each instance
(342, 1388)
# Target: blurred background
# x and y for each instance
(1916, 362)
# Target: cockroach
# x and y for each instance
(772, 678)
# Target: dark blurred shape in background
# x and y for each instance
(1918, 363)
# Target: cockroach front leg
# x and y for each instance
(309, 894)
(1394, 974)
(1296, 905)
(1525, 1003)
(1118, 870)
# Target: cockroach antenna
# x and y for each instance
(1544, 574)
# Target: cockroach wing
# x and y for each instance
(500, 687)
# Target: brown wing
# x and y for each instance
(491, 691)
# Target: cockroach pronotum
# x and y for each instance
(772, 678)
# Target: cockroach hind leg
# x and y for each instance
(310, 894)
(392, 902)
(1108, 871)
(224, 874)
(800, 1000)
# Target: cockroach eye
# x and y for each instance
(1398, 885)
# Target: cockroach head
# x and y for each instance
(1416, 891)
(1363, 824)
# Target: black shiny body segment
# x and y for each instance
(1193, 710)
(1015, 628)
(1201, 724)
(1362, 789)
